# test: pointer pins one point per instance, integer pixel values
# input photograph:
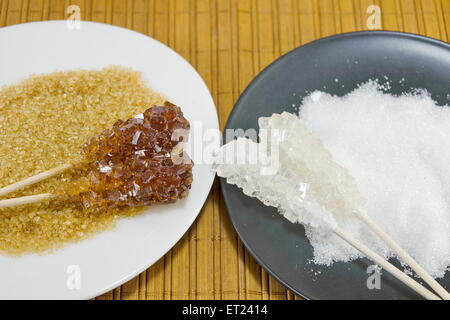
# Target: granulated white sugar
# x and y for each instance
(398, 150)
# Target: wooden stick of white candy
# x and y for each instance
(403, 255)
(386, 265)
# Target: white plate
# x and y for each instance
(112, 257)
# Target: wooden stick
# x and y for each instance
(35, 179)
(386, 265)
(7, 203)
(406, 257)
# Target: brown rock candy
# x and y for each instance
(131, 164)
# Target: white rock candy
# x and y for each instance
(307, 187)
(304, 154)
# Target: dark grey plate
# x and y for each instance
(409, 61)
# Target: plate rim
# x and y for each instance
(215, 121)
(246, 91)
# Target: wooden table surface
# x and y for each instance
(228, 42)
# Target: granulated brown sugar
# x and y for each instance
(44, 121)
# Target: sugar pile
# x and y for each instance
(397, 149)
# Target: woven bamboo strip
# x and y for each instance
(307, 18)
(445, 5)
(389, 15)
(34, 11)
(419, 16)
(3, 12)
(13, 12)
(24, 11)
(155, 281)
(359, 23)
(225, 72)
(285, 26)
(397, 18)
(346, 15)
(98, 11)
(429, 17)
(326, 18)
(441, 21)
(137, 15)
(408, 10)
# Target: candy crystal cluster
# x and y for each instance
(284, 190)
(303, 155)
(305, 184)
(136, 163)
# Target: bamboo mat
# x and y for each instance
(228, 42)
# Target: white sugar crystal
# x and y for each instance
(135, 138)
(105, 169)
(140, 152)
(315, 96)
